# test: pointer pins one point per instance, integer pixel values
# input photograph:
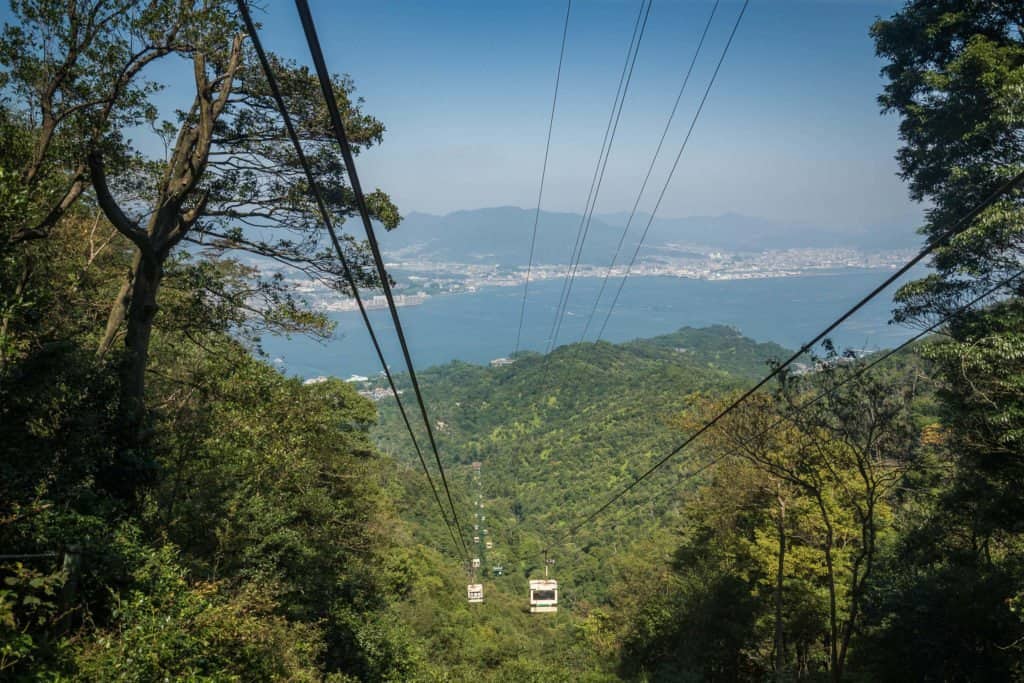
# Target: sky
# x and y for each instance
(791, 130)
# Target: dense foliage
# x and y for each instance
(173, 508)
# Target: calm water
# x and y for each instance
(481, 326)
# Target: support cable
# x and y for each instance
(602, 161)
(543, 175)
(313, 41)
(329, 224)
(650, 169)
(861, 371)
(939, 240)
(675, 164)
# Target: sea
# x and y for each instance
(476, 327)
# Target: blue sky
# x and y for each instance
(791, 130)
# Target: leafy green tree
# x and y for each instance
(955, 77)
(73, 82)
(76, 81)
(171, 628)
(808, 505)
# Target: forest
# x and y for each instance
(173, 507)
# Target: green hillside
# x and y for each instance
(556, 436)
(174, 507)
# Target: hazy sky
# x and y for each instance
(791, 131)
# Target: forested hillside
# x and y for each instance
(174, 508)
(556, 433)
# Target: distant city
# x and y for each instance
(418, 278)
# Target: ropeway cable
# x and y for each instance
(650, 169)
(675, 164)
(599, 169)
(861, 371)
(939, 240)
(543, 175)
(313, 41)
(329, 224)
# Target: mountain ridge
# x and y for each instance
(502, 235)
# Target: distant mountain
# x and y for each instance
(502, 235)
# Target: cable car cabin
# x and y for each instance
(476, 563)
(475, 592)
(543, 595)
(476, 539)
(489, 545)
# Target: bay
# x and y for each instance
(479, 326)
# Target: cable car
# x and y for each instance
(543, 595)
(475, 592)
(489, 545)
(476, 539)
(476, 563)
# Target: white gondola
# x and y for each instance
(489, 545)
(475, 592)
(476, 563)
(543, 595)
(476, 539)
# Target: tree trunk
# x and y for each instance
(835, 665)
(780, 658)
(119, 310)
(141, 310)
(17, 297)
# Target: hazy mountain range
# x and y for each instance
(502, 235)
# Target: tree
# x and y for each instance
(231, 181)
(955, 75)
(73, 83)
(861, 435)
(956, 78)
(826, 473)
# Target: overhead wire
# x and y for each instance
(860, 372)
(313, 42)
(599, 168)
(675, 164)
(325, 215)
(543, 176)
(650, 169)
(939, 240)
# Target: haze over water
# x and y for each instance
(477, 327)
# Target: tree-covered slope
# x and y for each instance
(558, 435)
